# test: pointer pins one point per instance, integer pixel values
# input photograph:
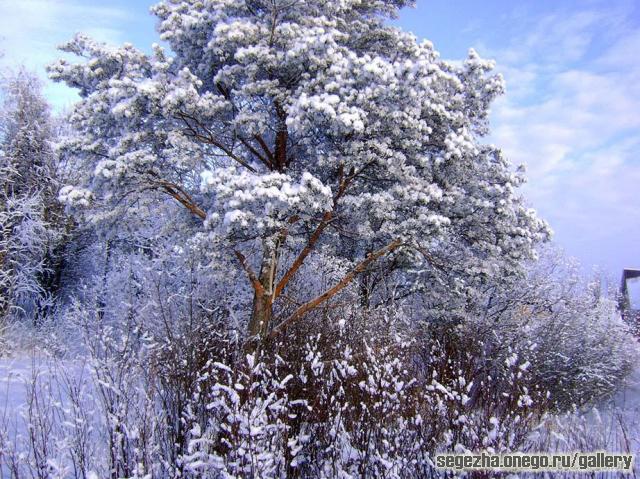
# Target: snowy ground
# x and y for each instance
(14, 375)
(49, 401)
(627, 404)
(629, 397)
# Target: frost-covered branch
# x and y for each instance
(344, 282)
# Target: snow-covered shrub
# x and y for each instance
(581, 349)
(345, 409)
(23, 253)
(492, 400)
(563, 331)
(52, 433)
(566, 329)
(353, 399)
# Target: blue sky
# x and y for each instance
(571, 112)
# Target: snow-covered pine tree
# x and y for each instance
(294, 129)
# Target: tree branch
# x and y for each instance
(297, 263)
(343, 184)
(264, 147)
(185, 200)
(360, 267)
(256, 153)
(179, 194)
(255, 282)
(210, 139)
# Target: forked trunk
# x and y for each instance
(263, 300)
(260, 315)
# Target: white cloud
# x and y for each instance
(572, 115)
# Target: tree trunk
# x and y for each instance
(263, 300)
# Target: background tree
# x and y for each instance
(32, 221)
